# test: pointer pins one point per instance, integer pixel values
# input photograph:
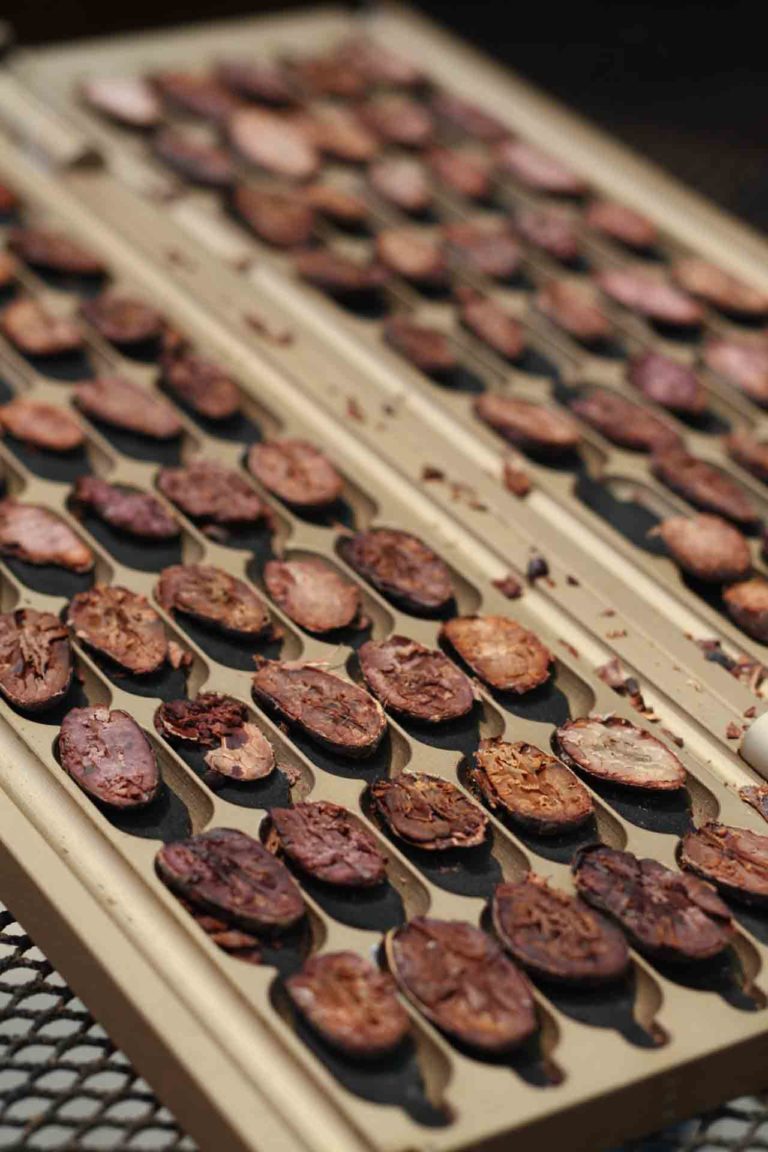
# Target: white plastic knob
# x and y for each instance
(754, 745)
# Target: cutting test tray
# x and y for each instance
(604, 505)
(211, 1035)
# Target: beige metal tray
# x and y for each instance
(212, 1035)
(563, 502)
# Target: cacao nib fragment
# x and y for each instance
(118, 402)
(465, 173)
(121, 625)
(705, 486)
(109, 756)
(313, 594)
(273, 142)
(296, 472)
(333, 712)
(137, 513)
(668, 382)
(625, 423)
(54, 252)
(263, 81)
(531, 787)
(574, 307)
(538, 170)
(128, 100)
(468, 117)
(551, 230)
(741, 362)
(491, 323)
(35, 659)
(756, 795)
(719, 288)
(735, 860)
(45, 426)
(488, 248)
(413, 255)
(194, 159)
(429, 812)
(208, 491)
(500, 651)
(197, 95)
(337, 204)
(338, 275)
(747, 605)
(327, 842)
(618, 222)
(667, 915)
(428, 349)
(242, 945)
(280, 217)
(204, 721)
(36, 535)
(35, 331)
(707, 547)
(351, 1005)
(557, 936)
(229, 874)
(617, 751)
(402, 182)
(122, 320)
(414, 681)
(400, 120)
(644, 292)
(243, 754)
(749, 451)
(459, 978)
(536, 428)
(214, 597)
(402, 567)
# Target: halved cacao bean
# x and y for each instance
(557, 936)
(350, 1004)
(35, 659)
(667, 915)
(108, 755)
(618, 752)
(459, 978)
(121, 625)
(335, 713)
(231, 875)
(531, 787)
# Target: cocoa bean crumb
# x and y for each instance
(429, 473)
(538, 567)
(509, 586)
(572, 581)
(733, 731)
(516, 480)
(280, 336)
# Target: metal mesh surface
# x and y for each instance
(63, 1084)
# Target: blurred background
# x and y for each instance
(681, 80)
